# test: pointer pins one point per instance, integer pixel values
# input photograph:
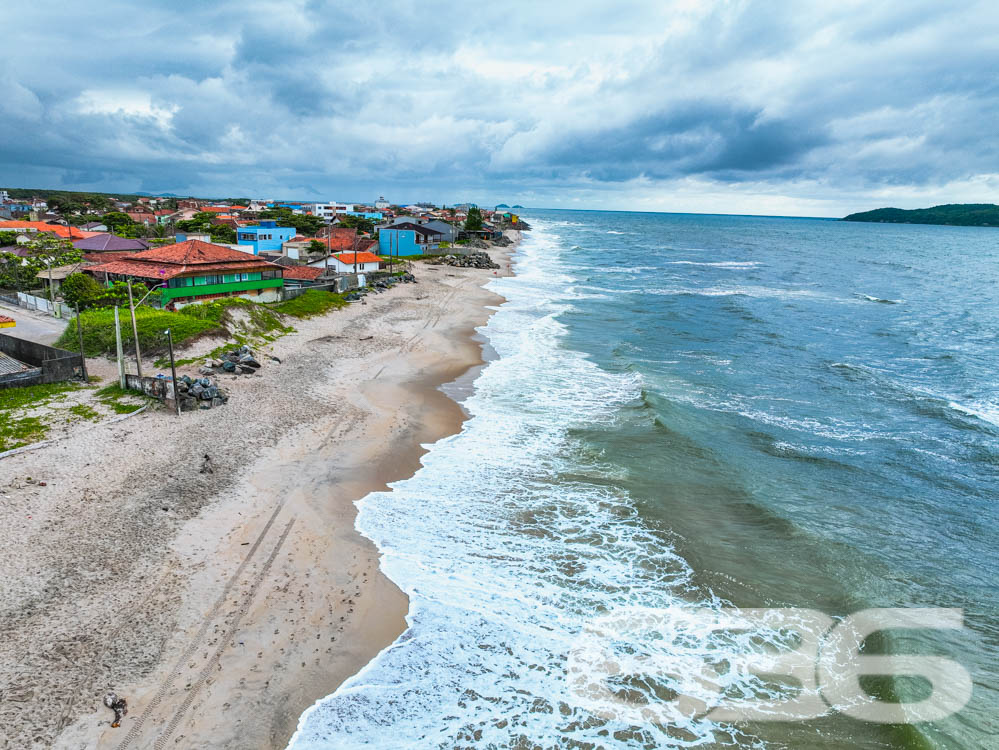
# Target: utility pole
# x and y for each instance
(121, 351)
(173, 372)
(135, 329)
(79, 335)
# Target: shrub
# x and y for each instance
(99, 336)
(80, 289)
(313, 302)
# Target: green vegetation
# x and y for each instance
(44, 250)
(99, 336)
(473, 221)
(313, 302)
(361, 224)
(304, 224)
(112, 396)
(80, 289)
(956, 214)
(202, 222)
(16, 432)
(85, 412)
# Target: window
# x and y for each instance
(228, 278)
(200, 281)
(267, 275)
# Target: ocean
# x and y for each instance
(683, 414)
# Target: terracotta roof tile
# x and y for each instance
(304, 273)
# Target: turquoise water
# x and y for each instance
(696, 411)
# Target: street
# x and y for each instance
(32, 326)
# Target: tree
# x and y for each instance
(116, 221)
(303, 223)
(48, 251)
(222, 233)
(473, 222)
(80, 289)
(8, 239)
(316, 247)
(360, 223)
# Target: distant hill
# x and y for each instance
(955, 214)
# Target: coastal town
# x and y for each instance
(193, 394)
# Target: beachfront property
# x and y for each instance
(449, 232)
(194, 271)
(408, 238)
(267, 237)
(345, 262)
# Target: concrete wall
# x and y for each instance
(54, 364)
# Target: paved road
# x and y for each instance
(32, 326)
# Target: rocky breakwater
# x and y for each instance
(471, 260)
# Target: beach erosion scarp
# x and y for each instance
(222, 598)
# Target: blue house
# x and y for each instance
(408, 239)
(268, 237)
(376, 215)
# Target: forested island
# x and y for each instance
(955, 214)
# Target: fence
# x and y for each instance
(33, 302)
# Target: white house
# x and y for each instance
(381, 203)
(344, 262)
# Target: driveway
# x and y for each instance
(31, 325)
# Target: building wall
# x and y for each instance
(403, 242)
(269, 239)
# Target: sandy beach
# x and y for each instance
(222, 596)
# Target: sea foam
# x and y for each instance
(505, 558)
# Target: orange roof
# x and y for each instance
(41, 226)
(192, 256)
(302, 272)
(348, 258)
(239, 208)
(222, 209)
(7, 322)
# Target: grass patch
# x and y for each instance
(313, 302)
(111, 397)
(99, 336)
(15, 433)
(32, 395)
(84, 412)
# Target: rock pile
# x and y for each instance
(472, 260)
(503, 241)
(199, 393)
(237, 361)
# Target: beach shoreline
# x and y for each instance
(223, 603)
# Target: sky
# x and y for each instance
(786, 108)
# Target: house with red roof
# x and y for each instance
(30, 227)
(195, 271)
(345, 262)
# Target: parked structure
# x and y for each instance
(194, 271)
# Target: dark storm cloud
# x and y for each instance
(438, 100)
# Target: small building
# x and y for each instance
(381, 204)
(194, 271)
(268, 236)
(344, 262)
(94, 226)
(408, 238)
